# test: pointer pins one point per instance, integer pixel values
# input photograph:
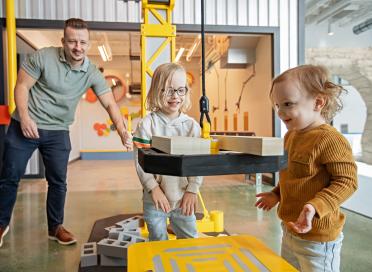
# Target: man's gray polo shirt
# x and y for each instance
(54, 97)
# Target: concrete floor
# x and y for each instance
(99, 189)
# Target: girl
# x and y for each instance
(168, 196)
(321, 172)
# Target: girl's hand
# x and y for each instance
(188, 203)
(267, 200)
(303, 223)
(160, 200)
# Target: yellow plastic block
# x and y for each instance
(205, 225)
(206, 130)
(215, 147)
(217, 218)
(226, 253)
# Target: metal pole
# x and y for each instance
(12, 53)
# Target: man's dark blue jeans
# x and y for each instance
(54, 147)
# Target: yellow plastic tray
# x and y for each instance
(226, 253)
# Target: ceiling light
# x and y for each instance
(330, 29)
(105, 49)
(179, 54)
(193, 48)
(103, 52)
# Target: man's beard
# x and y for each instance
(77, 58)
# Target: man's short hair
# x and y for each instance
(75, 23)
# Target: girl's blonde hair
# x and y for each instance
(314, 80)
(161, 79)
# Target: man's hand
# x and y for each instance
(304, 221)
(188, 203)
(160, 200)
(126, 139)
(29, 128)
(108, 102)
(267, 200)
(23, 85)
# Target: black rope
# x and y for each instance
(204, 102)
(203, 46)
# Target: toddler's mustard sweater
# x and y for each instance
(321, 171)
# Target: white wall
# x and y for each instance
(354, 112)
(361, 201)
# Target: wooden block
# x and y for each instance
(262, 146)
(246, 121)
(235, 122)
(215, 123)
(178, 145)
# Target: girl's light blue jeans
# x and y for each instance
(183, 226)
(311, 255)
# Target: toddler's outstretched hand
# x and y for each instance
(267, 201)
(304, 221)
(188, 203)
(160, 200)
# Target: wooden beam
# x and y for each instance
(262, 146)
(177, 145)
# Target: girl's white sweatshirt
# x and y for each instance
(158, 124)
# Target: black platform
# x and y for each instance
(224, 163)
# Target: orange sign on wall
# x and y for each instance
(4, 115)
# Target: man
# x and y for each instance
(49, 86)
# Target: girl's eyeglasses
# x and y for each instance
(181, 91)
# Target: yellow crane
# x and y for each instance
(158, 45)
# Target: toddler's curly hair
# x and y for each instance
(314, 79)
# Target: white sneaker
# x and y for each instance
(3, 232)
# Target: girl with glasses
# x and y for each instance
(167, 196)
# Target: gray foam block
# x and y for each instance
(112, 261)
(131, 223)
(113, 248)
(88, 255)
(114, 233)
